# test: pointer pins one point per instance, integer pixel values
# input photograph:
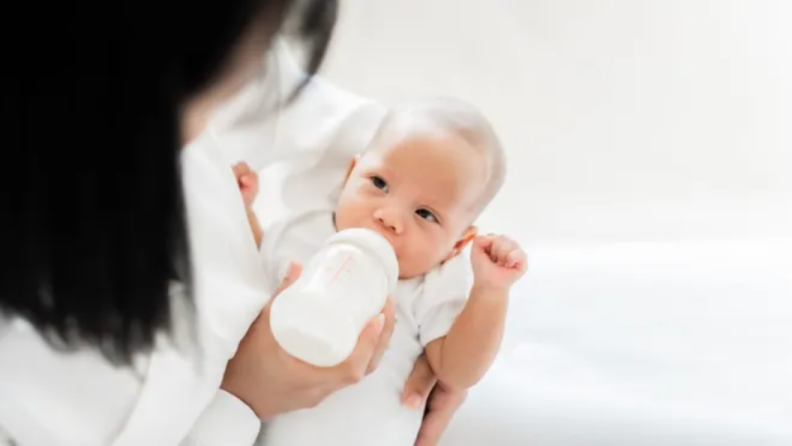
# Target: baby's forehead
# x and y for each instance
(406, 131)
(458, 128)
(420, 123)
(430, 145)
(445, 169)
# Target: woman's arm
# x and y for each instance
(441, 402)
(227, 421)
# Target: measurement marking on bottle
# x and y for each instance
(344, 264)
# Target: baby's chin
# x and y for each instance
(409, 270)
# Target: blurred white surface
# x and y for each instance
(650, 153)
(623, 119)
(643, 344)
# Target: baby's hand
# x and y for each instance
(248, 183)
(497, 260)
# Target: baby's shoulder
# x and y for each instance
(452, 278)
(430, 303)
(455, 273)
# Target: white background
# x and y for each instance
(650, 147)
(624, 119)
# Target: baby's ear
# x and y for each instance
(351, 167)
(467, 237)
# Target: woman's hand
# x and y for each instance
(272, 382)
(442, 402)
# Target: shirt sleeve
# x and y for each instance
(445, 292)
(227, 421)
(317, 137)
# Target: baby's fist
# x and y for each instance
(497, 260)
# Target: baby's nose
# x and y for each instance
(389, 220)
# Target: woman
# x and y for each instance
(107, 334)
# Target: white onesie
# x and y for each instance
(369, 413)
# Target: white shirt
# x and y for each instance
(369, 413)
(171, 397)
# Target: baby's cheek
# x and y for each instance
(409, 260)
(424, 255)
(347, 214)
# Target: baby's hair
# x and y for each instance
(460, 119)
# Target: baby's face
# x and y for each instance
(419, 191)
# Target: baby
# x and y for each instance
(431, 168)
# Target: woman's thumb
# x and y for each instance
(420, 384)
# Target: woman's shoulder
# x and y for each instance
(55, 397)
(325, 116)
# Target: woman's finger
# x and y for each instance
(442, 406)
(385, 336)
(353, 369)
(420, 384)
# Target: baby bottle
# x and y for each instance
(319, 318)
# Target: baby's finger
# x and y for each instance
(248, 179)
(500, 250)
(250, 183)
(482, 241)
(516, 259)
(481, 246)
(240, 169)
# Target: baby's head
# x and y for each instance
(432, 167)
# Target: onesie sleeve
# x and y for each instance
(445, 292)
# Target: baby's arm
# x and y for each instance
(462, 357)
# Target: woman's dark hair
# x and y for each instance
(92, 224)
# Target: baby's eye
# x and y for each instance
(379, 183)
(426, 215)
